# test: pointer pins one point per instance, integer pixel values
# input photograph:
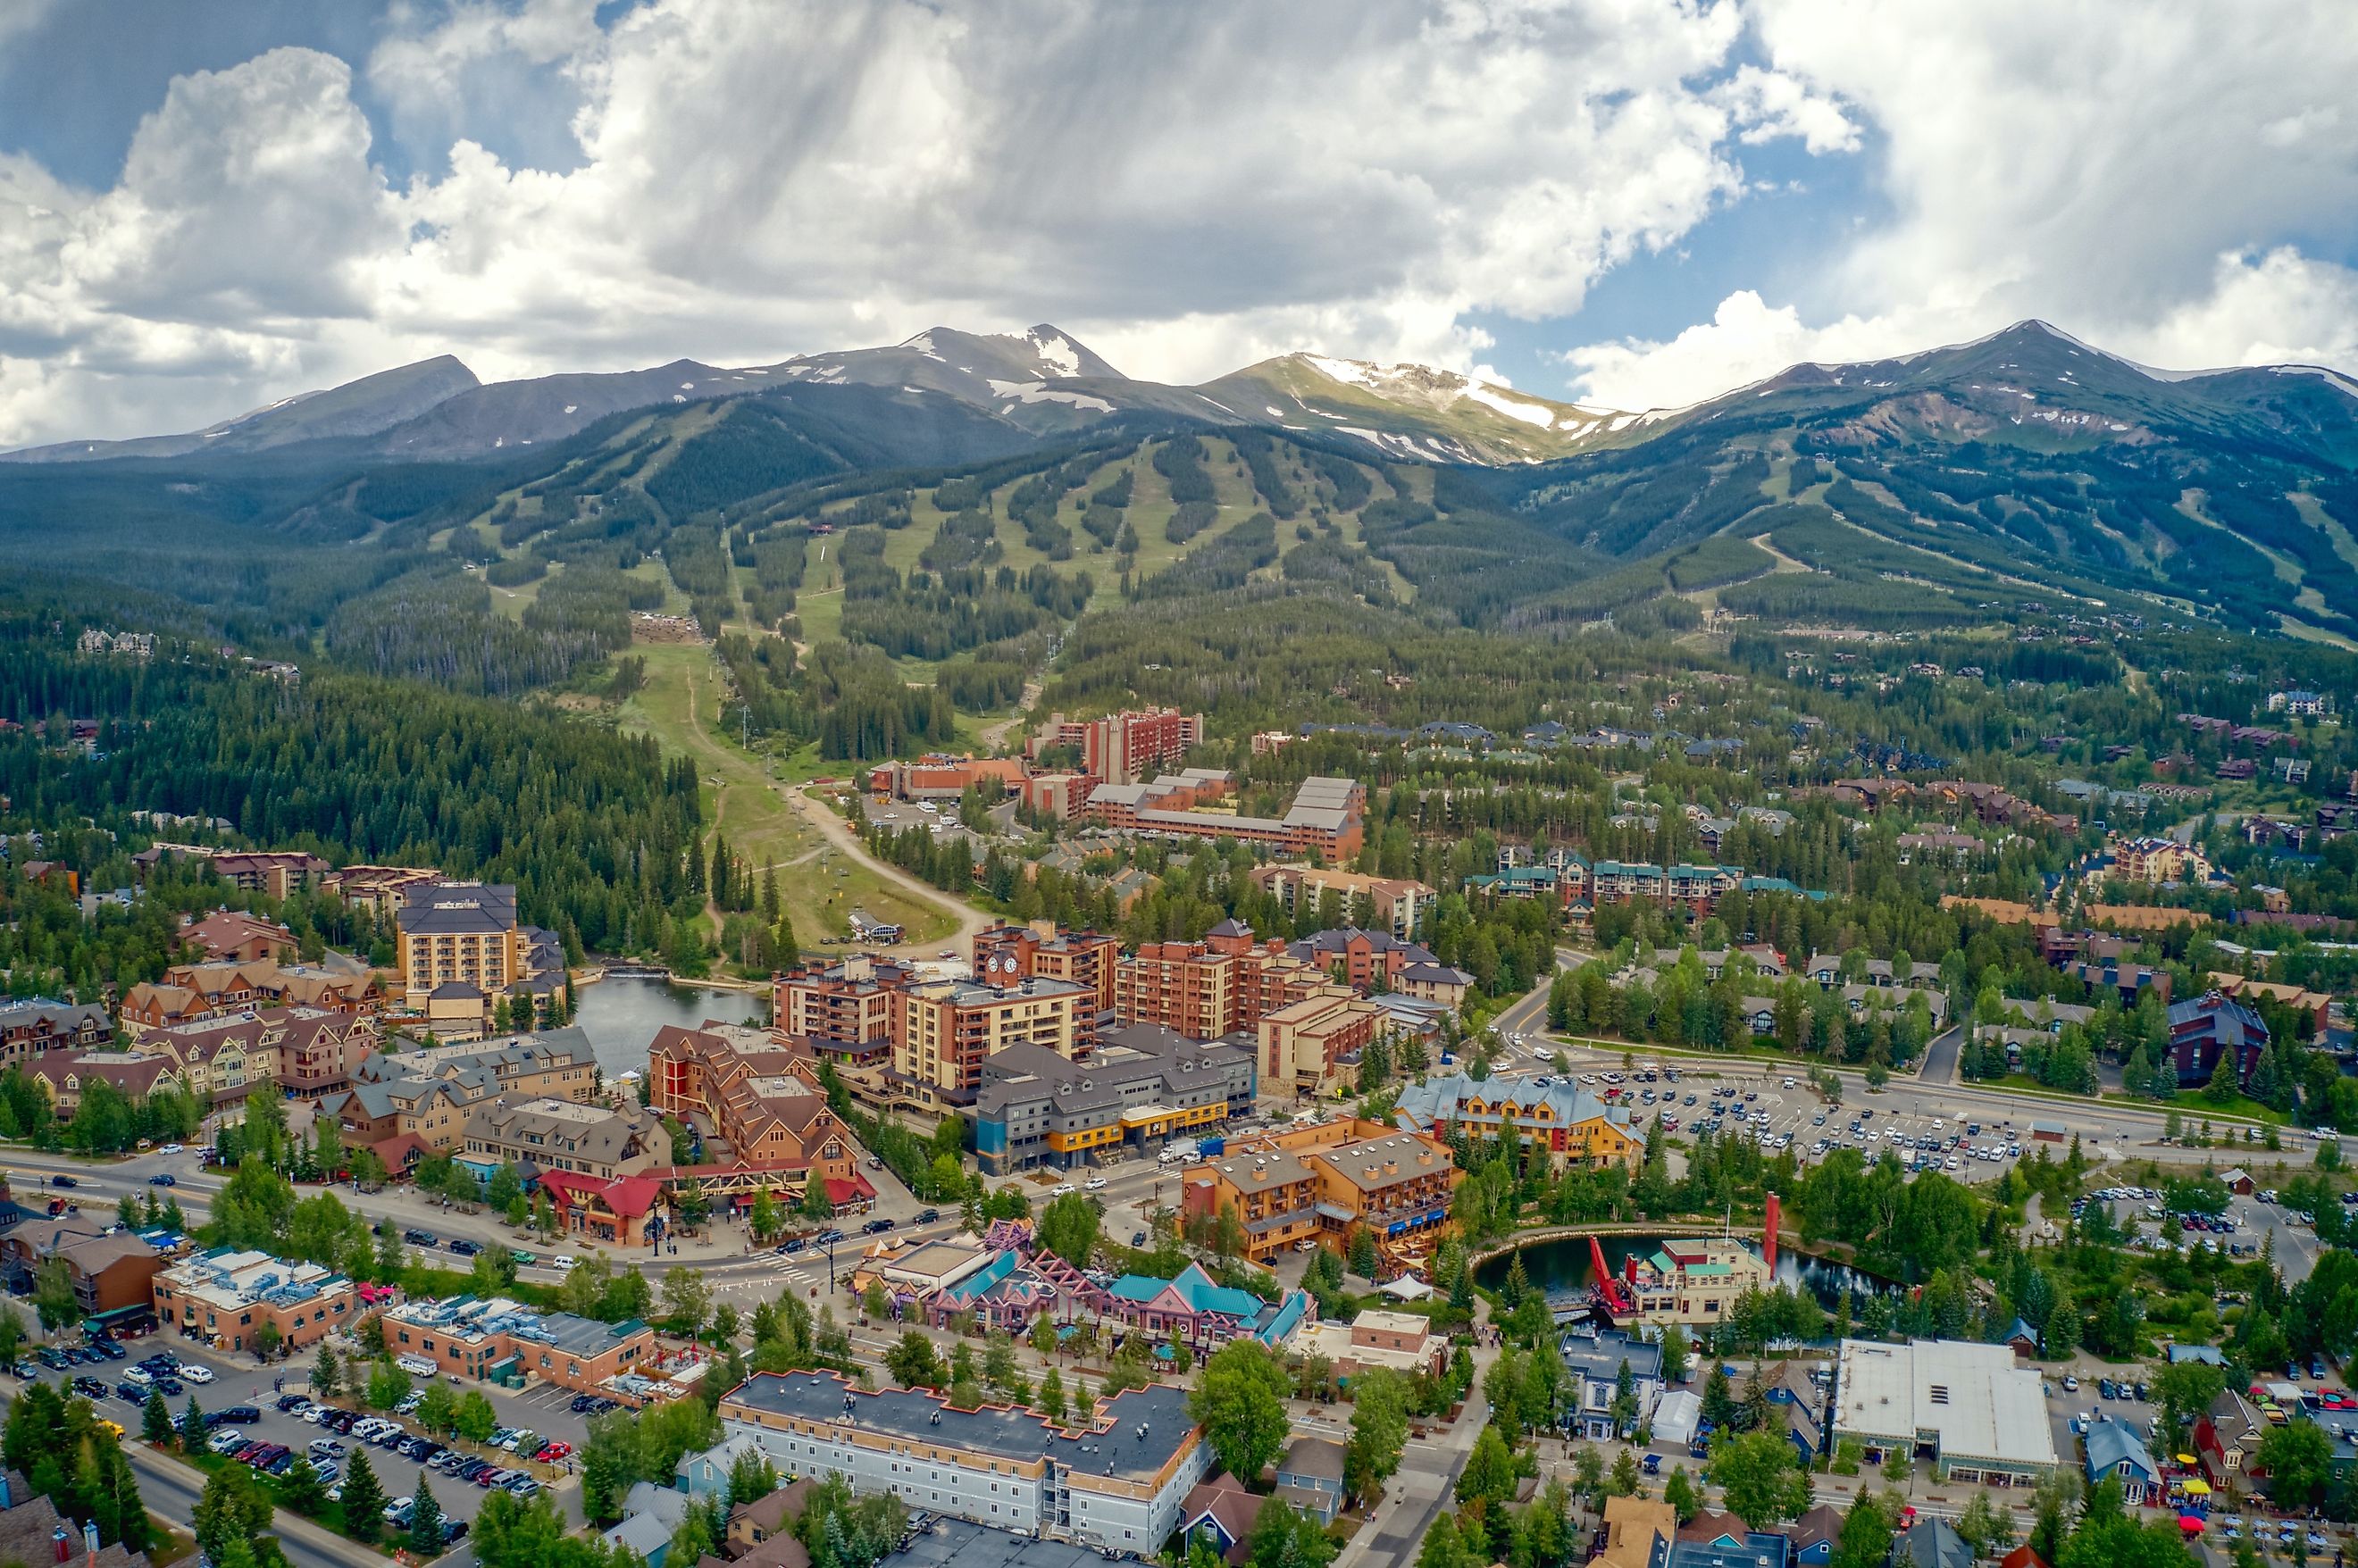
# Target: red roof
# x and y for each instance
(401, 1152)
(852, 1189)
(2022, 1557)
(629, 1196)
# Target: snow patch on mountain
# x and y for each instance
(1040, 392)
(1513, 407)
(1056, 354)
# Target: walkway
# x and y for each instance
(971, 922)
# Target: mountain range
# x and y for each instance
(1932, 488)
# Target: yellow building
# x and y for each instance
(1575, 1125)
(943, 1030)
(459, 935)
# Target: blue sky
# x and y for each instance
(1638, 202)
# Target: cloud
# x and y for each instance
(1191, 187)
(2166, 180)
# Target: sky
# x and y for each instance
(1638, 203)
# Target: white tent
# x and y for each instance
(1676, 1416)
(1406, 1288)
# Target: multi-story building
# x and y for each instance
(1573, 1125)
(1223, 984)
(189, 993)
(1113, 1482)
(1006, 954)
(233, 937)
(37, 1024)
(1394, 905)
(1363, 960)
(1122, 748)
(380, 889)
(938, 776)
(943, 1030)
(301, 1050)
(459, 933)
(109, 1267)
(604, 1141)
(1303, 1042)
(1143, 1087)
(1320, 1182)
(1693, 1279)
(417, 1102)
(2205, 1028)
(61, 1075)
(225, 1297)
(1326, 816)
(499, 1340)
(751, 1097)
(2160, 861)
(845, 1008)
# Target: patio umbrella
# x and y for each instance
(2186, 1459)
(2191, 1524)
(2197, 1489)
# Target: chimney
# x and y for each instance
(90, 1544)
(61, 1540)
(7, 1501)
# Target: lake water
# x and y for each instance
(1563, 1267)
(620, 1016)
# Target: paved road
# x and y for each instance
(1943, 1057)
(971, 922)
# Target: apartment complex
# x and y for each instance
(1204, 990)
(233, 937)
(1303, 1043)
(502, 1341)
(300, 1050)
(1114, 1482)
(225, 1297)
(380, 889)
(845, 1008)
(417, 1102)
(276, 873)
(1391, 904)
(1143, 1087)
(61, 1075)
(1326, 816)
(1573, 1125)
(1122, 748)
(1320, 1182)
(939, 776)
(1006, 954)
(750, 1095)
(550, 1135)
(28, 1028)
(944, 1029)
(192, 993)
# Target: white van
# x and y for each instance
(415, 1366)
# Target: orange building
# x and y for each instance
(1317, 1183)
(1005, 954)
(508, 1342)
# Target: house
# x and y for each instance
(1815, 1535)
(1637, 1532)
(2115, 1449)
(1714, 1539)
(1597, 1360)
(1220, 1513)
(2226, 1436)
(705, 1475)
(2022, 1557)
(1310, 1477)
(2021, 1338)
(2239, 1182)
(1795, 1398)
(761, 1533)
(1931, 1543)
(2205, 1028)
(32, 1530)
(645, 1534)
(39, 1024)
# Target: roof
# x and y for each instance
(629, 1196)
(1932, 1543)
(1601, 1357)
(1983, 1403)
(1228, 1505)
(2113, 1443)
(1319, 1457)
(1148, 1426)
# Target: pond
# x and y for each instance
(1561, 1268)
(620, 1016)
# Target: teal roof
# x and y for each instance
(1138, 1287)
(1197, 1289)
(983, 1279)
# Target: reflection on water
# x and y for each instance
(1563, 1267)
(620, 1016)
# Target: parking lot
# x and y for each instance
(231, 1387)
(1786, 1113)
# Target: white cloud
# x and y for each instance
(2135, 172)
(1186, 188)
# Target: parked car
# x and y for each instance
(421, 1238)
(926, 1217)
(192, 1372)
(466, 1248)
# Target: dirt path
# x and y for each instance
(993, 735)
(971, 922)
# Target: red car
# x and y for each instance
(554, 1453)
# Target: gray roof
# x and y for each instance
(458, 909)
(1320, 1457)
(909, 1414)
(976, 1546)
(2110, 1443)
(1931, 1543)
(1600, 1358)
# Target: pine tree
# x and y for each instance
(363, 1499)
(425, 1524)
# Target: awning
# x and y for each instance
(2197, 1489)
